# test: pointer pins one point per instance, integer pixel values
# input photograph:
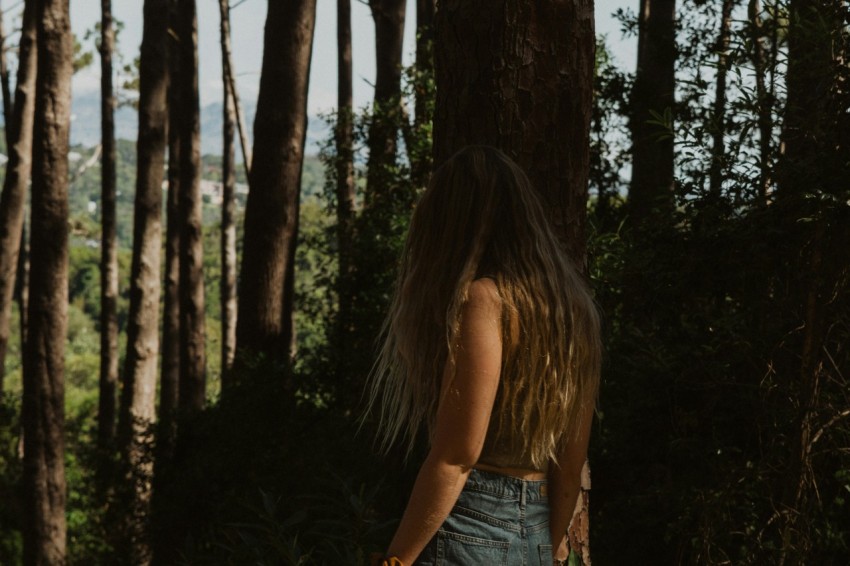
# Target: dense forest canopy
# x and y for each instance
(185, 334)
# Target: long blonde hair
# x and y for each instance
(481, 217)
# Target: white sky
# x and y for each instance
(248, 21)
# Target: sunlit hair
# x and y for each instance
(481, 217)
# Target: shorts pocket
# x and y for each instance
(456, 549)
(545, 553)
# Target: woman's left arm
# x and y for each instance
(463, 415)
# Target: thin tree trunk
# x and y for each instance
(230, 81)
(383, 130)
(170, 384)
(651, 190)
(44, 358)
(23, 285)
(228, 212)
(18, 167)
(765, 104)
(138, 393)
(519, 76)
(265, 324)
(718, 159)
(345, 191)
(109, 249)
(192, 356)
(6, 88)
(425, 10)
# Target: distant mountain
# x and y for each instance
(85, 124)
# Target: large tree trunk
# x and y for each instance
(499, 69)
(228, 209)
(192, 335)
(265, 324)
(383, 130)
(138, 393)
(44, 357)
(109, 249)
(519, 76)
(651, 191)
(13, 198)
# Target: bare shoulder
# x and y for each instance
(483, 294)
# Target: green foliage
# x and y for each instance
(11, 544)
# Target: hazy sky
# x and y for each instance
(248, 19)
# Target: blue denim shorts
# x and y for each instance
(497, 520)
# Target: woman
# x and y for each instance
(492, 345)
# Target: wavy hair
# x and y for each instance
(480, 217)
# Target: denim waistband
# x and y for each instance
(506, 487)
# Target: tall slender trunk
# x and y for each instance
(230, 82)
(764, 102)
(170, 382)
(519, 76)
(4, 85)
(651, 190)
(228, 211)
(345, 191)
(265, 325)
(108, 246)
(718, 117)
(425, 10)
(138, 394)
(44, 358)
(383, 130)
(191, 291)
(18, 168)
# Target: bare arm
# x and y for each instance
(463, 415)
(564, 485)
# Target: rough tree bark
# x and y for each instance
(13, 198)
(718, 117)
(191, 288)
(494, 74)
(44, 357)
(228, 209)
(383, 130)
(138, 394)
(651, 190)
(108, 247)
(519, 76)
(271, 216)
